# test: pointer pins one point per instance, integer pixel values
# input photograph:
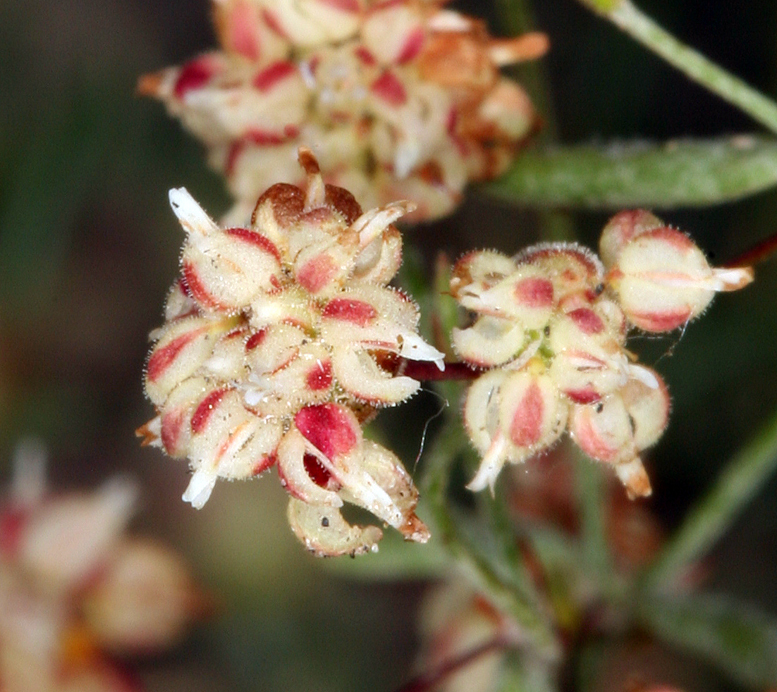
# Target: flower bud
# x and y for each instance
(313, 22)
(606, 432)
(143, 600)
(182, 347)
(663, 280)
(620, 229)
(513, 304)
(393, 33)
(574, 270)
(324, 532)
(648, 408)
(589, 360)
(223, 269)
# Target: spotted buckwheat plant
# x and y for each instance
(281, 339)
(400, 99)
(550, 327)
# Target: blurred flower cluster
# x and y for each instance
(281, 340)
(400, 99)
(551, 324)
(76, 591)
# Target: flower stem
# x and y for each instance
(760, 252)
(735, 487)
(431, 679)
(429, 372)
(693, 64)
(591, 492)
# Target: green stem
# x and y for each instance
(591, 492)
(519, 602)
(735, 487)
(693, 64)
(517, 18)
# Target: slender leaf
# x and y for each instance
(526, 673)
(679, 173)
(741, 479)
(591, 490)
(515, 595)
(732, 636)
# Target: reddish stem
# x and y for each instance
(429, 372)
(431, 678)
(758, 253)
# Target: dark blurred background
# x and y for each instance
(88, 248)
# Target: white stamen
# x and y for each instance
(644, 375)
(373, 222)
(415, 348)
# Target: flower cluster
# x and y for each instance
(551, 325)
(74, 589)
(280, 341)
(464, 638)
(401, 99)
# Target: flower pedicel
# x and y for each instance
(281, 339)
(550, 326)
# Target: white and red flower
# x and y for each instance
(551, 326)
(400, 99)
(281, 339)
(75, 590)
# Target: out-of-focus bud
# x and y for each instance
(74, 588)
(143, 601)
(64, 543)
(402, 99)
(457, 622)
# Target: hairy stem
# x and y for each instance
(691, 63)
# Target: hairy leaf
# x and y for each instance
(731, 635)
(681, 173)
